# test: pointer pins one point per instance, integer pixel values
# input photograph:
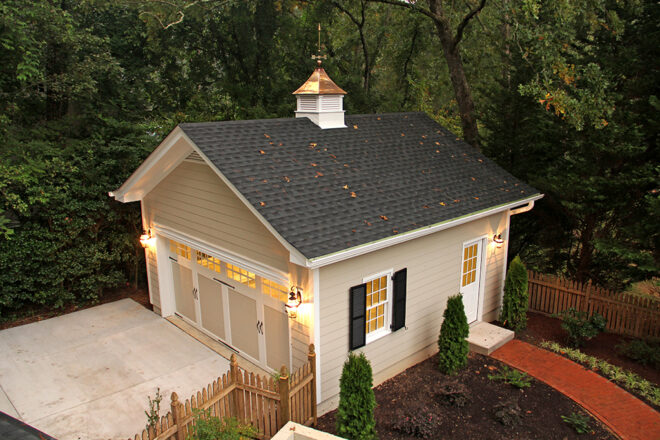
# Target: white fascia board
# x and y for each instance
(295, 256)
(410, 235)
(168, 155)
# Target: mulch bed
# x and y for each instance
(420, 392)
(544, 328)
(139, 295)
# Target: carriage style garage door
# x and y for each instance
(242, 309)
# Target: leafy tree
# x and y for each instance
(452, 342)
(514, 304)
(355, 415)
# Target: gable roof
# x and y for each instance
(326, 191)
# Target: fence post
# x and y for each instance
(177, 417)
(311, 357)
(234, 401)
(587, 297)
(284, 397)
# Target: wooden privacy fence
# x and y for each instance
(626, 314)
(266, 403)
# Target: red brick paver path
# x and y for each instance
(624, 414)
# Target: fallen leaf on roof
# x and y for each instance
(402, 134)
(425, 206)
(367, 223)
(437, 143)
(265, 181)
(281, 144)
(355, 126)
(378, 118)
(312, 144)
(345, 186)
(456, 200)
(473, 178)
(384, 217)
(267, 137)
(353, 230)
(313, 164)
(333, 156)
(423, 136)
(480, 160)
(286, 179)
(437, 151)
(421, 143)
(346, 165)
(443, 204)
(319, 174)
(262, 152)
(396, 231)
(476, 198)
(271, 142)
(262, 203)
(353, 194)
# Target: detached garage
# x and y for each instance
(346, 232)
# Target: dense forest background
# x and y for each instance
(562, 93)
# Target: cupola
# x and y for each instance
(321, 100)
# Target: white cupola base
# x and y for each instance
(321, 101)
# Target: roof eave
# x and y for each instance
(324, 260)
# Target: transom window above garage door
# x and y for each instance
(231, 271)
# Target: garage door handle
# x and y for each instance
(260, 327)
(174, 259)
(226, 284)
(194, 292)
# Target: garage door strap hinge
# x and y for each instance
(226, 284)
(174, 259)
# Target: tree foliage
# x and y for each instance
(564, 96)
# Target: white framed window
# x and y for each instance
(378, 305)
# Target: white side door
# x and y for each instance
(471, 277)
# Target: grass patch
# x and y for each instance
(627, 379)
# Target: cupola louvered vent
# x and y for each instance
(195, 157)
(308, 103)
(331, 103)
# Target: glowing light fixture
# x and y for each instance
(295, 299)
(145, 238)
(498, 240)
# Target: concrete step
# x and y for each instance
(485, 338)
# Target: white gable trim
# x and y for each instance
(391, 241)
(168, 155)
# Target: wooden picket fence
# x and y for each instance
(265, 403)
(626, 313)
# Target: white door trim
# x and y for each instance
(483, 239)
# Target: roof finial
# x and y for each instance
(318, 57)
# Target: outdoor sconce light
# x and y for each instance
(497, 239)
(295, 299)
(145, 238)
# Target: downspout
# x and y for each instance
(522, 209)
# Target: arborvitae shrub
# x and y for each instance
(355, 415)
(514, 307)
(452, 342)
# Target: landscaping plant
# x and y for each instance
(627, 379)
(513, 377)
(452, 342)
(516, 297)
(579, 422)
(207, 427)
(355, 415)
(641, 351)
(418, 425)
(580, 327)
(153, 415)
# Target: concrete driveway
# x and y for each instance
(87, 375)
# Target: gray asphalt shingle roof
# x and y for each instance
(328, 190)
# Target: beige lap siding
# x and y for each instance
(193, 200)
(152, 276)
(434, 266)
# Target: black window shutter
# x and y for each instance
(399, 305)
(358, 316)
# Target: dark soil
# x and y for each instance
(421, 392)
(544, 328)
(139, 295)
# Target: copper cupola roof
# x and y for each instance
(319, 83)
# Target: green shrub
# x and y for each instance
(642, 352)
(453, 333)
(580, 327)
(513, 377)
(514, 304)
(207, 427)
(579, 422)
(355, 415)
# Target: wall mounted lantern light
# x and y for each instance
(295, 299)
(498, 240)
(145, 238)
